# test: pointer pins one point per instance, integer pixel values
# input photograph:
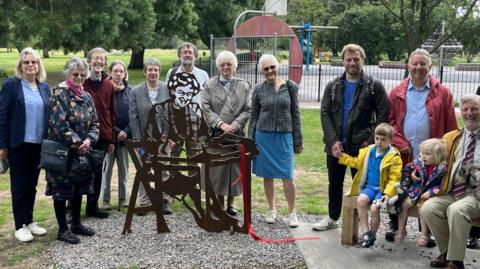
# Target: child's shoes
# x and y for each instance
(368, 239)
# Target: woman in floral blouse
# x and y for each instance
(73, 122)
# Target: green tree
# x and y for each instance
(23, 26)
(468, 35)
(373, 28)
(309, 11)
(137, 28)
(55, 24)
(217, 18)
(174, 18)
(414, 17)
(4, 25)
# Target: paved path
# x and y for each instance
(328, 253)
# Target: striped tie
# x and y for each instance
(459, 188)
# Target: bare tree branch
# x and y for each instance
(385, 4)
(454, 27)
(433, 4)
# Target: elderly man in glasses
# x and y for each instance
(102, 91)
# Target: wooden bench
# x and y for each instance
(350, 220)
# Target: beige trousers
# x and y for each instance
(449, 220)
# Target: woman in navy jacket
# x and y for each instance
(23, 117)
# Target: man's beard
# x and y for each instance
(187, 62)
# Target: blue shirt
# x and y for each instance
(373, 172)
(348, 95)
(416, 126)
(34, 112)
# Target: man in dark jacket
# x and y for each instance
(352, 105)
(102, 91)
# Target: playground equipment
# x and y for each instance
(307, 28)
(446, 51)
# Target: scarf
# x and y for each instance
(118, 87)
(77, 90)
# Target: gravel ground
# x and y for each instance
(187, 246)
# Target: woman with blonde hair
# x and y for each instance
(24, 102)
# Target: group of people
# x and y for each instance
(404, 148)
(94, 111)
(392, 142)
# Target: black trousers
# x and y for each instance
(92, 199)
(475, 232)
(336, 177)
(24, 171)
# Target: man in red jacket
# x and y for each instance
(102, 91)
(420, 108)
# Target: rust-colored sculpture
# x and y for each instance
(177, 123)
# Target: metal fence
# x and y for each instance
(316, 77)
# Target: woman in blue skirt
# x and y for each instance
(275, 127)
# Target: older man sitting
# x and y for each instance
(450, 216)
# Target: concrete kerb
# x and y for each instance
(328, 253)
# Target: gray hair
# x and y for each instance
(226, 56)
(187, 45)
(97, 49)
(267, 57)
(470, 98)
(41, 75)
(74, 64)
(120, 62)
(421, 52)
(154, 62)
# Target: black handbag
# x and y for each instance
(54, 156)
(96, 158)
(80, 169)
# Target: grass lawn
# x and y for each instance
(54, 64)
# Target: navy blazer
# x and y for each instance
(12, 111)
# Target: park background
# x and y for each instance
(134, 30)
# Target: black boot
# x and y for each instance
(93, 211)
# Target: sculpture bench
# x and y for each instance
(350, 220)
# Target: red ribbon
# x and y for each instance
(246, 206)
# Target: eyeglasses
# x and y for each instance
(226, 65)
(99, 58)
(30, 62)
(79, 75)
(271, 67)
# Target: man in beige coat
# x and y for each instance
(449, 216)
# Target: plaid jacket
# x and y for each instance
(276, 111)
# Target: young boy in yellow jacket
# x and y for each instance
(379, 170)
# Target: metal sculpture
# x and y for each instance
(175, 155)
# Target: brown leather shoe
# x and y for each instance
(440, 261)
(451, 265)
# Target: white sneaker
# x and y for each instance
(23, 234)
(271, 216)
(35, 229)
(293, 220)
(325, 224)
